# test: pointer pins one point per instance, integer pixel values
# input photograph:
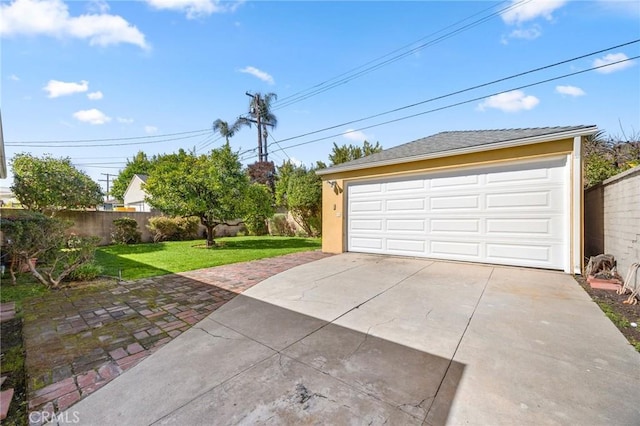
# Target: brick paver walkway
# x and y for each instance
(77, 340)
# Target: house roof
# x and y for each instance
(460, 142)
(141, 177)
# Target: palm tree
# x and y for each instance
(228, 131)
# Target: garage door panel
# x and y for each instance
(367, 225)
(367, 188)
(518, 252)
(513, 215)
(520, 226)
(455, 225)
(406, 225)
(406, 185)
(456, 181)
(366, 206)
(366, 243)
(519, 200)
(406, 205)
(516, 177)
(454, 249)
(408, 246)
(455, 202)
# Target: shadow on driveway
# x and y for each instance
(79, 339)
(292, 369)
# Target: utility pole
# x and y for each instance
(256, 104)
(108, 180)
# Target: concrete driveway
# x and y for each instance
(363, 339)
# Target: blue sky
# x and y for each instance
(124, 69)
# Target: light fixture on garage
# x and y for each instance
(332, 183)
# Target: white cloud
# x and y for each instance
(612, 58)
(258, 74)
(150, 129)
(124, 120)
(92, 116)
(57, 88)
(527, 11)
(570, 91)
(98, 6)
(195, 8)
(51, 18)
(94, 96)
(512, 101)
(527, 34)
(14, 77)
(354, 135)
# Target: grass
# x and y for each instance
(617, 319)
(153, 259)
(26, 287)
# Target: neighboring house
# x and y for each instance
(134, 195)
(110, 205)
(510, 197)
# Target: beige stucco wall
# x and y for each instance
(334, 199)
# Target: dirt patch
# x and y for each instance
(621, 315)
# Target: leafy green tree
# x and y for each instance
(211, 187)
(49, 185)
(140, 164)
(258, 208)
(34, 236)
(605, 156)
(300, 190)
(344, 153)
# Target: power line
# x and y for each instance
(500, 80)
(112, 139)
(39, 145)
(281, 148)
(204, 141)
(464, 102)
(317, 89)
(208, 144)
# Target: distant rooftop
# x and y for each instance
(451, 143)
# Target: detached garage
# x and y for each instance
(510, 197)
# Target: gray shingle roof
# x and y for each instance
(449, 143)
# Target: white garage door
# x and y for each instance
(511, 215)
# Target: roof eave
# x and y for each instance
(469, 150)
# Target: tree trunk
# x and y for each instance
(210, 241)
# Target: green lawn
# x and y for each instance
(148, 260)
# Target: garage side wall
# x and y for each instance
(334, 193)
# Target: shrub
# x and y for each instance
(279, 225)
(86, 272)
(125, 231)
(166, 228)
(31, 235)
(258, 209)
